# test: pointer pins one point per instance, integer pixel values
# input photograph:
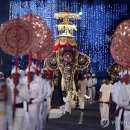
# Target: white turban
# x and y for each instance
(31, 69)
(93, 74)
(13, 71)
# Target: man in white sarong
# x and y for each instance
(9, 109)
(104, 100)
(115, 92)
(22, 94)
(82, 83)
(44, 108)
(41, 100)
(124, 103)
(35, 98)
(92, 81)
(3, 96)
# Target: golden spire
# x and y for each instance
(66, 28)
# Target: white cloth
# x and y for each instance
(45, 106)
(10, 86)
(31, 69)
(124, 96)
(36, 96)
(115, 91)
(23, 95)
(81, 102)
(67, 107)
(83, 85)
(91, 89)
(43, 115)
(118, 119)
(127, 120)
(13, 71)
(62, 108)
(18, 120)
(124, 101)
(82, 91)
(91, 93)
(69, 103)
(106, 90)
(104, 108)
(104, 111)
(3, 121)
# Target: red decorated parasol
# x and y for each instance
(41, 30)
(16, 38)
(44, 41)
(16, 32)
(120, 47)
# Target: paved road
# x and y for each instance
(80, 120)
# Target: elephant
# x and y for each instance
(67, 59)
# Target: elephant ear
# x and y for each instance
(51, 62)
(83, 61)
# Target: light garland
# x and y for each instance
(97, 22)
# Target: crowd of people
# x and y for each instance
(115, 96)
(25, 99)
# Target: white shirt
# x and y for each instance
(10, 86)
(94, 81)
(115, 91)
(47, 88)
(90, 82)
(23, 92)
(106, 90)
(124, 96)
(35, 91)
(83, 84)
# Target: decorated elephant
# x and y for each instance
(66, 56)
(67, 59)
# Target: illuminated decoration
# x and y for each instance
(120, 47)
(52, 62)
(114, 70)
(66, 57)
(95, 28)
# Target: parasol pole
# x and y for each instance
(30, 58)
(37, 57)
(16, 64)
(29, 65)
(40, 59)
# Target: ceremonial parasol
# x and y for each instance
(44, 41)
(16, 38)
(120, 47)
(16, 32)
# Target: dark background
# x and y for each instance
(7, 61)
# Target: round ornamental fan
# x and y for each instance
(44, 40)
(16, 32)
(41, 30)
(120, 47)
(43, 52)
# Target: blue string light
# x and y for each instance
(97, 24)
